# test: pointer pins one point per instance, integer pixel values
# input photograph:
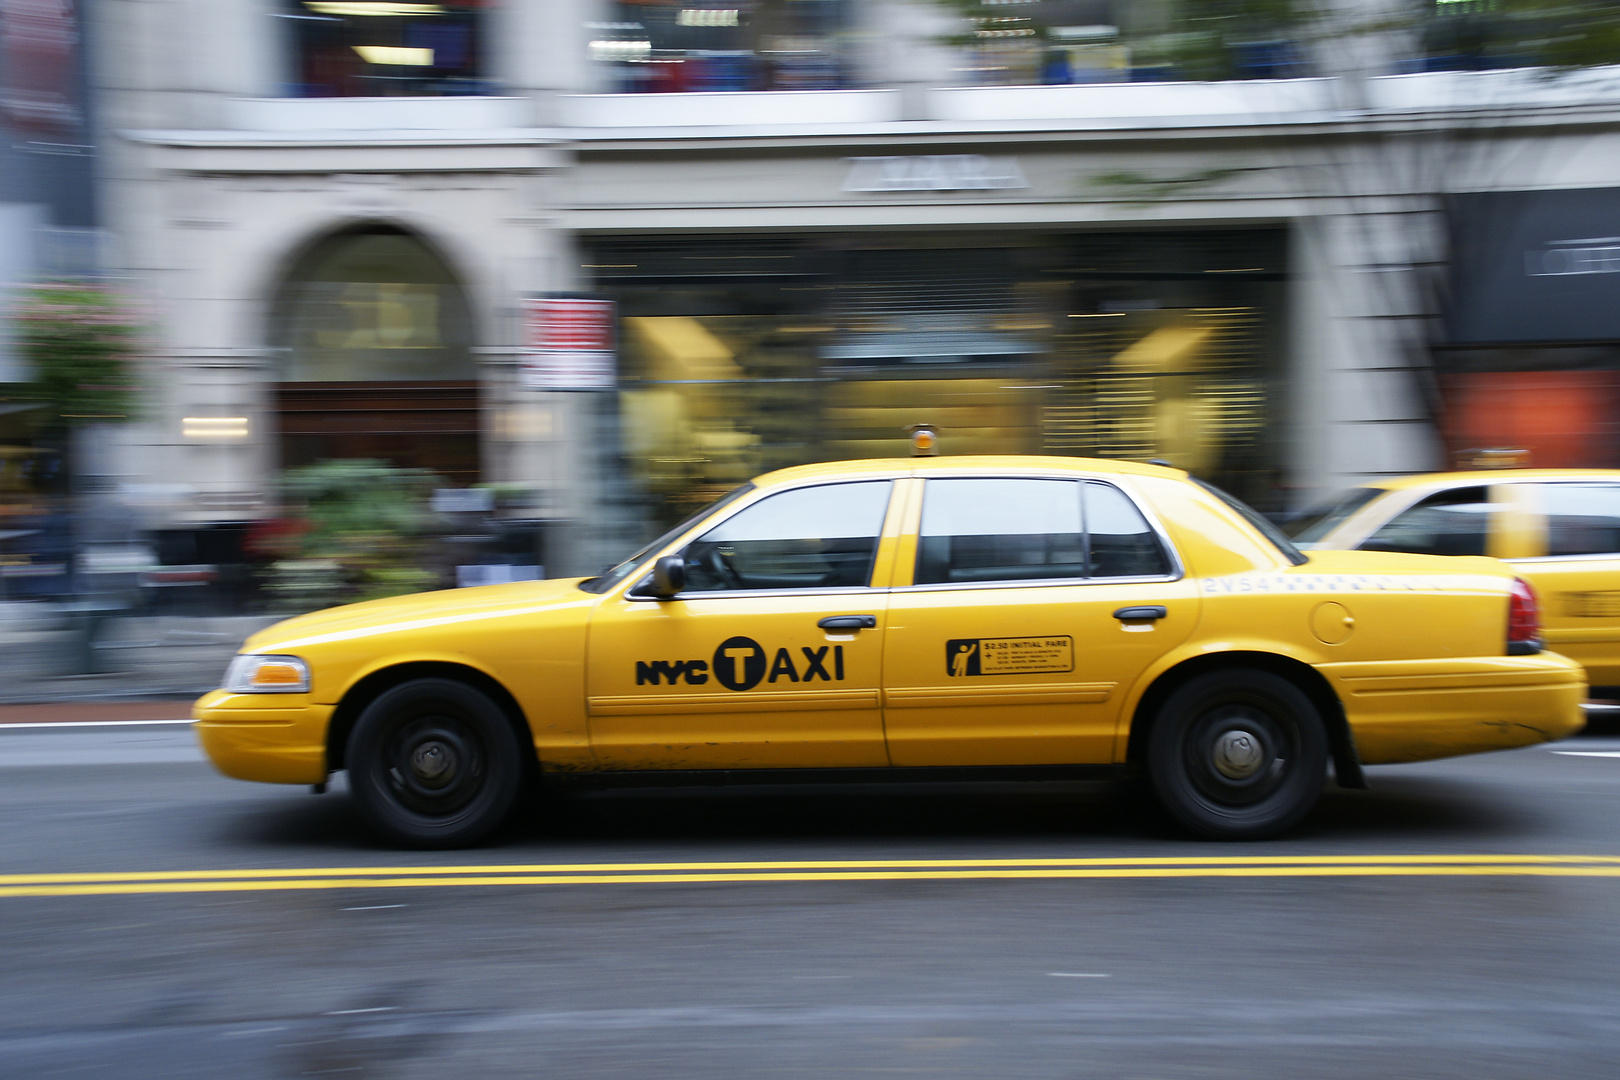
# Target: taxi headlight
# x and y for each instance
(252, 674)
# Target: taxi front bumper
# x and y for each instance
(1417, 710)
(275, 738)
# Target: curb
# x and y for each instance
(96, 712)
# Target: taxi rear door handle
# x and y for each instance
(1146, 612)
(848, 622)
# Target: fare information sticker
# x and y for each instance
(1009, 656)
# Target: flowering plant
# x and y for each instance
(81, 341)
(355, 530)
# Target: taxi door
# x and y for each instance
(770, 657)
(1570, 553)
(1032, 608)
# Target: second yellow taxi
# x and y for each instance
(912, 618)
(1558, 528)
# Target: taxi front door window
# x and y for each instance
(809, 538)
(770, 658)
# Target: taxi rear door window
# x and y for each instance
(989, 529)
(1582, 519)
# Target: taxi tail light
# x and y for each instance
(1524, 620)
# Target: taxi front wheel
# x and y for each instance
(1238, 755)
(433, 763)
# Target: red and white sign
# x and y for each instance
(570, 344)
(37, 39)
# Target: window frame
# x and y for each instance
(639, 593)
(1178, 568)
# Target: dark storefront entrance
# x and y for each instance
(374, 339)
(420, 425)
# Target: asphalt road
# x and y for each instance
(573, 948)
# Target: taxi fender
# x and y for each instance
(348, 708)
(1204, 651)
(393, 660)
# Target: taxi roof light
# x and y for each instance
(1494, 457)
(924, 440)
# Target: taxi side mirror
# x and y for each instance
(668, 576)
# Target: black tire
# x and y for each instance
(1238, 755)
(433, 763)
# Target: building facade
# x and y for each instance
(818, 224)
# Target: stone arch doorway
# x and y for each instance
(373, 337)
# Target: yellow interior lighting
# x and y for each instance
(1168, 350)
(395, 55)
(379, 7)
(214, 427)
(684, 350)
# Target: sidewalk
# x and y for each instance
(101, 712)
(136, 659)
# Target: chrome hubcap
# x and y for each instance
(1238, 754)
(433, 763)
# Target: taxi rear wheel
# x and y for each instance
(1238, 755)
(433, 763)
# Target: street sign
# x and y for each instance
(570, 344)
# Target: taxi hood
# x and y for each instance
(399, 612)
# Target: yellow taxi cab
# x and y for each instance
(912, 618)
(1559, 528)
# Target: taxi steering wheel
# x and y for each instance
(721, 567)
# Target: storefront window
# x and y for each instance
(741, 356)
(653, 46)
(381, 48)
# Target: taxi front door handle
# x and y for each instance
(1146, 612)
(848, 622)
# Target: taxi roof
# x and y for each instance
(1472, 477)
(916, 466)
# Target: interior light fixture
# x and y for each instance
(395, 55)
(707, 17)
(214, 427)
(621, 50)
(372, 7)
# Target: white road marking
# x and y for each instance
(90, 723)
(1588, 753)
(1078, 975)
(124, 745)
(357, 1012)
(374, 907)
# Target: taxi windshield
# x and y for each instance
(1314, 524)
(604, 581)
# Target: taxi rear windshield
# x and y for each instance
(1253, 517)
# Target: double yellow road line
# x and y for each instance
(431, 877)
